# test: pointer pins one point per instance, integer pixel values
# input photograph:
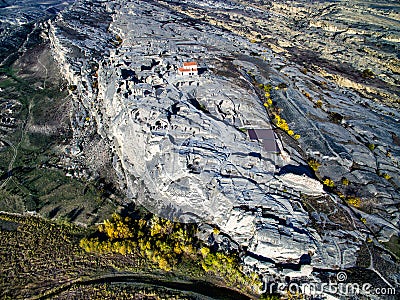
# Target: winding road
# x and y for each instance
(195, 288)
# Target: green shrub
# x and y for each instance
(367, 73)
(328, 182)
(282, 85)
(318, 104)
(314, 164)
(354, 201)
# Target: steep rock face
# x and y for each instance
(180, 141)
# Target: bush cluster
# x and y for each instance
(354, 201)
(160, 241)
(314, 164)
(166, 244)
(278, 120)
(328, 182)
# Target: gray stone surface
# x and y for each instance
(179, 144)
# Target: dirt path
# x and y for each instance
(195, 288)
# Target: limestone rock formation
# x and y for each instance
(181, 142)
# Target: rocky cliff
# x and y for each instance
(182, 145)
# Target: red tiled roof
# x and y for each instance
(190, 63)
(184, 70)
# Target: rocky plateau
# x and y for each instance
(181, 145)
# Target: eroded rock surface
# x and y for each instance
(181, 144)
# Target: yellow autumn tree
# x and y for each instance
(117, 228)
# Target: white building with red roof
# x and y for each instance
(188, 69)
